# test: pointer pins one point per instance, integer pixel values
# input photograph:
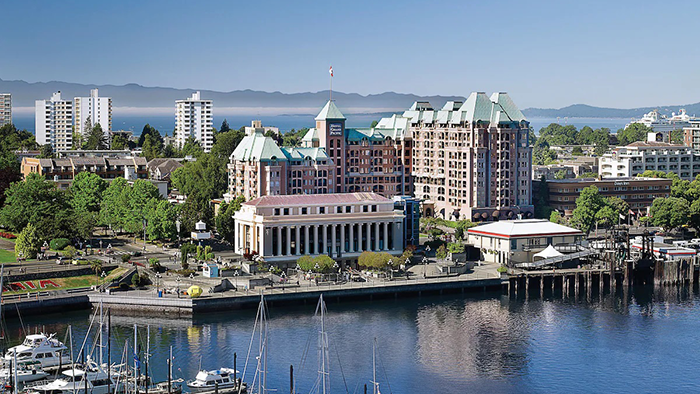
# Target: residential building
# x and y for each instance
(342, 225)
(92, 110)
(257, 124)
(638, 192)
(634, 159)
(54, 122)
(161, 168)
(193, 118)
(574, 167)
(5, 109)
(94, 153)
(511, 242)
(472, 160)
(410, 206)
(62, 171)
(691, 134)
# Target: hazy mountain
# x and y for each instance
(587, 111)
(132, 95)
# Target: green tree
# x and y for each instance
(542, 208)
(95, 138)
(224, 127)
(225, 143)
(618, 205)
(115, 204)
(589, 202)
(561, 174)
(28, 242)
(46, 152)
(555, 217)
(191, 148)
(13, 139)
(142, 192)
(588, 175)
(677, 137)
(119, 142)
(670, 213)
(151, 148)
(577, 151)
(149, 130)
(633, 133)
(33, 200)
(606, 216)
(207, 177)
(224, 220)
(9, 173)
(86, 193)
(374, 124)
(293, 137)
(441, 252)
(161, 216)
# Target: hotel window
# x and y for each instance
(321, 209)
(365, 208)
(339, 210)
(303, 211)
(286, 211)
(277, 211)
(374, 208)
(348, 209)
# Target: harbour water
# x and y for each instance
(637, 341)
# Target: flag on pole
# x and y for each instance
(331, 71)
(631, 212)
(622, 216)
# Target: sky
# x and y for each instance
(546, 54)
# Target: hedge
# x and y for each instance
(59, 243)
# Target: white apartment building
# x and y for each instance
(193, 118)
(95, 108)
(5, 109)
(54, 122)
(633, 159)
(691, 133)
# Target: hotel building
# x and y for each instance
(472, 160)
(5, 109)
(193, 118)
(634, 159)
(341, 225)
(54, 122)
(96, 109)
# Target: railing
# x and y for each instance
(43, 295)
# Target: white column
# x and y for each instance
(325, 239)
(376, 236)
(289, 239)
(333, 246)
(297, 242)
(368, 243)
(261, 238)
(306, 240)
(235, 238)
(386, 236)
(342, 238)
(397, 239)
(351, 248)
(279, 241)
(316, 243)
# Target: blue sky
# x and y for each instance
(545, 54)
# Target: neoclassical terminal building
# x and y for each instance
(341, 225)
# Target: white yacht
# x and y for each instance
(26, 372)
(47, 350)
(73, 381)
(222, 378)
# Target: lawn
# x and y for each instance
(74, 282)
(7, 257)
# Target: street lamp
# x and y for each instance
(103, 276)
(389, 265)
(158, 276)
(177, 227)
(337, 268)
(425, 261)
(178, 286)
(235, 275)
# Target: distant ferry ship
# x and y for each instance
(662, 123)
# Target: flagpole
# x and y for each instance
(331, 78)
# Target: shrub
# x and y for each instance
(441, 252)
(28, 243)
(455, 247)
(59, 243)
(502, 269)
(154, 263)
(372, 260)
(70, 252)
(126, 258)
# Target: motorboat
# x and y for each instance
(221, 379)
(26, 372)
(45, 349)
(77, 380)
(162, 388)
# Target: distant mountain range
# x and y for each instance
(24, 94)
(588, 111)
(143, 98)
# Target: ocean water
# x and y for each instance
(166, 124)
(637, 341)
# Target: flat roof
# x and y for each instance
(523, 229)
(317, 199)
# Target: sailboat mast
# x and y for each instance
(136, 360)
(148, 351)
(109, 350)
(101, 331)
(374, 366)
(170, 370)
(323, 348)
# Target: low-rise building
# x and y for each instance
(411, 223)
(572, 168)
(62, 171)
(634, 159)
(691, 133)
(638, 192)
(161, 168)
(342, 225)
(512, 242)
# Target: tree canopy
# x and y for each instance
(633, 133)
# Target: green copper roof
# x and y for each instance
(478, 107)
(311, 135)
(258, 147)
(503, 102)
(301, 153)
(330, 111)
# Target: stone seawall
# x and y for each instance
(46, 305)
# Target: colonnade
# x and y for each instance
(333, 239)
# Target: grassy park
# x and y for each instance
(74, 282)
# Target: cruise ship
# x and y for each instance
(662, 123)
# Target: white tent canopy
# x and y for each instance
(547, 253)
